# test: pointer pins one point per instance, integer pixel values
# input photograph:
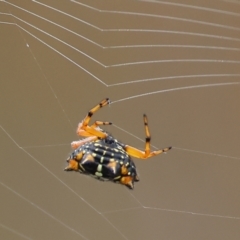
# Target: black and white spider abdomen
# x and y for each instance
(105, 159)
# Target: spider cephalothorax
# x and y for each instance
(103, 156)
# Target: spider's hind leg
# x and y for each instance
(134, 152)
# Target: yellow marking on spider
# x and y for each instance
(117, 177)
(88, 158)
(79, 156)
(124, 170)
(113, 166)
(98, 174)
(99, 168)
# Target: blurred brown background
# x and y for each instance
(176, 61)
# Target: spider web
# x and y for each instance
(176, 61)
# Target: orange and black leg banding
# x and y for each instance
(148, 136)
(103, 103)
(98, 123)
(89, 131)
(134, 152)
(85, 130)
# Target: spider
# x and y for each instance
(103, 156)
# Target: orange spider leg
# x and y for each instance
(87, 119)
(148, 138)
(84, 133)
(85, 130)
(89, 131)
(98, 123)
(134, 152)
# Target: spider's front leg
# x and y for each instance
(80, 132)
(85, 130)
(84, 133)
(134, 152)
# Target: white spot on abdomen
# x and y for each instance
(99, 168)
(98, 174)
